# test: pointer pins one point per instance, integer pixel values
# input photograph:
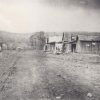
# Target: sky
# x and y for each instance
(24, 16)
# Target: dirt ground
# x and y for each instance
(36, 75)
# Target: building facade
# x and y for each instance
(54, 44)
(82, 42)
(89, 43)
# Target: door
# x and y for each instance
(73, 47)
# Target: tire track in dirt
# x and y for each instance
(9, 72)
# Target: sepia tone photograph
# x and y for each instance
(49, 49)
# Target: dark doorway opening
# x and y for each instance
(73, 47)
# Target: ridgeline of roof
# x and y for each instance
(89, 38)
(83, 33)
(47, 34)
(83, 36)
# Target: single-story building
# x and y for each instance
(82, 42)
(54, 44)
(88, 43)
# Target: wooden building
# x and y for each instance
(88, 43)
(54, 44)
(82, 42)
(76, 42)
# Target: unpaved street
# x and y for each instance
(35, 75)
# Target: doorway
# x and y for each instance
(73, 47)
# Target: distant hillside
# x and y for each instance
(7, 36)
(23, 37)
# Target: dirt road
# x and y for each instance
(35, 75)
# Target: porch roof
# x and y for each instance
(88, 38)
(54, 39)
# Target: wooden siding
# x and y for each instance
(89, 47)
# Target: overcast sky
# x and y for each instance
(49, 15)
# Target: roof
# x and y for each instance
(55, 39)
(89, 33)
(89, 37)
(83, 33)
(82, 36)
